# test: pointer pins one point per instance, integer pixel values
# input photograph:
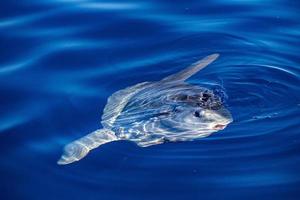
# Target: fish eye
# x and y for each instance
(197, 114)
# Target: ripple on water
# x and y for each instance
(61, 59)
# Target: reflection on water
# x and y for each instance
(61, 59)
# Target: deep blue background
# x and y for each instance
(61, 59)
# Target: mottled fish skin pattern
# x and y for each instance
(151, 113)
(171, 112)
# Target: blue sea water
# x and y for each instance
(61, 59)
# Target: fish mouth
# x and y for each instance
(219, 126)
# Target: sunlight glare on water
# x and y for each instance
(61, 60)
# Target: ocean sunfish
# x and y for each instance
(151, 113)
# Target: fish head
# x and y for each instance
(201, 114)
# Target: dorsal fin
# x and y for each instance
(191, 70)
(79, 148)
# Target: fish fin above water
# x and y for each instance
(117, 101)
(191, 70)
(78, 149)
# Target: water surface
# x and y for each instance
(61, 59)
